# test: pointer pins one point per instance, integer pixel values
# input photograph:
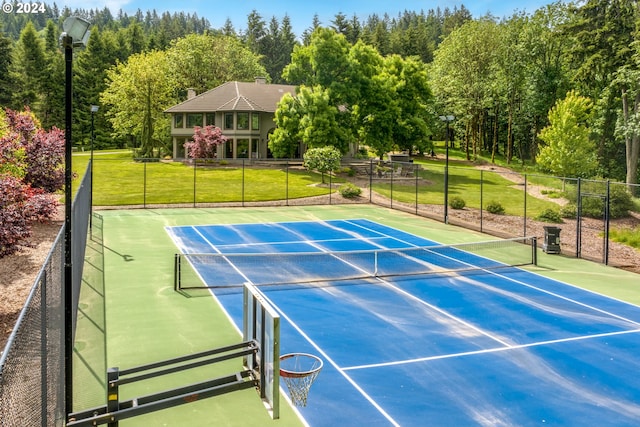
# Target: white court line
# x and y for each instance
(554, 294)
(333, 363)
(232, 265)
(490, 350)
(415, 298)
(248, 245)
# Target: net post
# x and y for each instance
(176, 272)
(113, 404)
(534, 250)
(375, 264)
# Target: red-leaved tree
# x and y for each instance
(31, 166)
(205, 142)
(45, 160)
(43, 150)
(20, 206)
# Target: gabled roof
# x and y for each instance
(235, 96)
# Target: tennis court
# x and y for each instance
(444, 344)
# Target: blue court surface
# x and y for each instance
(502, 347)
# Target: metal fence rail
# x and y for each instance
(31, 367)
(418, 188)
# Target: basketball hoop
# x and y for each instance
(299, 371)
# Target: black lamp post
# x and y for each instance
(447, 120)
(76, 33)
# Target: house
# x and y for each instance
(244, 111)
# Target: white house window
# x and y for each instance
(243, 121)
(228, 120)
(194, 120)
(242, 148)
(211, 119)
(178, 121)
(255, 121)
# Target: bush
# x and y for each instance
(569, 211)
(495, 208)
(45, 159)
(347, 170)
(350, 191)
(20, 205)
(628, 237)
(457, 202)
(31, 162)
(550, 215)
(205, 142)
(322, 159)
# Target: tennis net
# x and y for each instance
(215, 270)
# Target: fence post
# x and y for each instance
(144, 185)
(481, 197)
(416, 170)
(370, 180)
(44, 356)
(524, 234)
(195, 168)
(330, 186)
(607, 212)
(578, 217)
(391, 185)
(242, 182)
(113, 403)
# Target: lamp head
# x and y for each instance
(94, 108)
(77, 29)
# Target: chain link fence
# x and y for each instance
(31, 367)
(32, 374)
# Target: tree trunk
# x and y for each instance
(632, 142)
(495, 136)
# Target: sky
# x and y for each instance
(301, 12)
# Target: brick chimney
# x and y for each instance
(261, 80)
(191, 93)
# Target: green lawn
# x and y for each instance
(119, 180)
(474, 186)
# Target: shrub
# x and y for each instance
(550, 215)
(569, 211)
(322, 159)
(495, 208)
(45, 160)
(347, 170)
(628, 237)
(350, 191)
(20, 205)
(205, 142)
(457, 202)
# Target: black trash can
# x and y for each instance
(551, 243)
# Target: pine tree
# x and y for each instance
(6, 85)
(52, 111)
(27, 70)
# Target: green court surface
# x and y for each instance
(130, 315)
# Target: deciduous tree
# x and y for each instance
(205, 142)
(568, 150)
(322, 159)
(137, 94)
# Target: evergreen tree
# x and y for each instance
(90, 76)
(52, 88)
(6, 84)
(28, 70)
